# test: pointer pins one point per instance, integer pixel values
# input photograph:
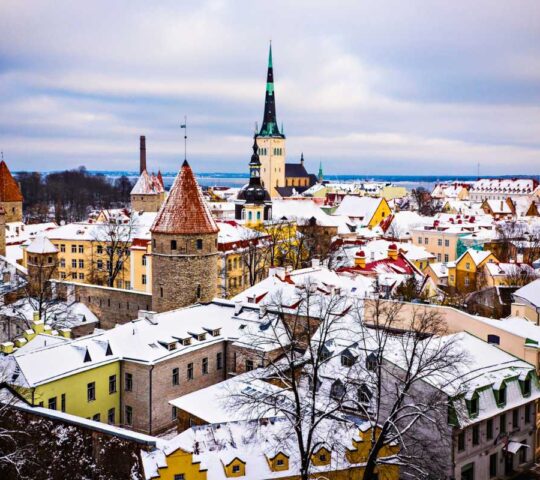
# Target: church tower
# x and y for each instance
(253, 204)
(270, 140)
(184, 247)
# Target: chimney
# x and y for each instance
(360, 259)
(393, 252)
(142, 166)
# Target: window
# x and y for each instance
(190, 371)
(179, 476)
(468, 266)
(279, 462)
(526, 387)
(438, 257)
(219, 361)
(364, 394)
(143, 279)
(515, 418)
(446, 258)
(173, 413)
(175, 376)
(62, 247)
(91, 391)
(81, 248)
(205, 365)
(473, 406)
(420, 240)
(447, 243)
(52, 403)
(173, 245)
(199, 244)
(528, 413)
(249, 365)
(62, 263)
(73, 248)
(439, 242)
(144, 260)
(129, 415)
(97, 417)
(502, 423)
(161, 291)
(494, 339)
(100, 249)
(73, 263)
(63, 402)
(467, 281)
(112, 384)
(347, 360)
(461, 442)
(198, 291)
(500, 395)
(476, 435)
(81, 276)
(426, 240)
(128, 382)
(111, 416)
(493, 465)
(62, 275)
(81, 263)
(337, 390)
(236, 468)
(371, 362)
(489, 429)
(100, 264)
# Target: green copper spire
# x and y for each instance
(320, 175)
(269, 126)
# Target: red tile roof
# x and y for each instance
(9, 189)
(184, 211)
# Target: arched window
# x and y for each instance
(258, 215)
(250, 216)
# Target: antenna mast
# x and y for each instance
(184, 126)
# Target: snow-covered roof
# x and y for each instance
(509, 269)
(148, 339)
(255, 443)
(504, 185)
(530, 293)
(477, 256)
(18, 232)
(362, 208)
(147, 185)
(41, 245)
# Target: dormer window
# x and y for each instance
(347, 360)
(186, 341)
(500, 395)
(526, 386)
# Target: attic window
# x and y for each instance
(109, 350)
(186, 341)
(171, 346)
(347, 360)
(87, 357)
(525, 386)
(500, 395)
(216, 332)
(371, 362)
(494, 339)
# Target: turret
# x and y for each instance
(184, 247)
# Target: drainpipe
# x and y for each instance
(150, 402)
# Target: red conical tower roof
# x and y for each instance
(160, 178)
(185, 211)
(9, 189)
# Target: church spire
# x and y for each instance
(320, 176)
(270, 127)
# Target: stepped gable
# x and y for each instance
(184, 211)
(9, 189)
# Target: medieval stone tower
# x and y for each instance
(11, 198)
(42, 262)
(270, 140)
(184, 247)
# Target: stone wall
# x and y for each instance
(153, 386)
(14, 211)
(112, 306)
(183, 275)
(147, 203)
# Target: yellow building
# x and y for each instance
(364, 211)
(89, 388)
(260, 456)
(463, 276)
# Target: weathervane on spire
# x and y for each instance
(184, 126)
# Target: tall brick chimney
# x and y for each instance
(142, 166)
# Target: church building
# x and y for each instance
(279, 178)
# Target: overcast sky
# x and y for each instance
(367, 87)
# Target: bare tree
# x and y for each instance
(111, 249)
(426, 205)
(330, 366)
